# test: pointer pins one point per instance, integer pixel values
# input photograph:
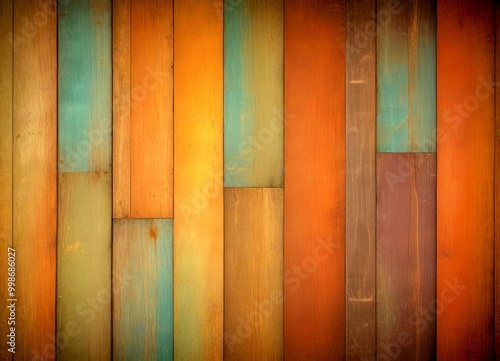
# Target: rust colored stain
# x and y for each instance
(465, 179)
(314, 233)
(153, 231)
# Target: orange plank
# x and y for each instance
(151, 127)
(314, 309)
(465, 180)
(198, 170)
(35, 172)
(143, 109)
(6, 8)
(253, 274)
(121, 108)
(497, 182)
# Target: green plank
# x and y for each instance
(143, 301)
(84, 66)
(253, 93)
(84, 266)
(406, 76)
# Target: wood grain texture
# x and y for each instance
(121, 108)
(151, 127)
(406, 256)
(253, 94)
(360, 180)
(314, 309)
(198, 171)
(497, 182)
(465, 182)
(253, 274)
(142, 304)
(84, 266)
(6, 41)
(143, 109)
(84, 89)
(406, 76)
(35, 178)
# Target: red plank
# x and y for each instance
(465, 183)
(406, 256)
(314, 309)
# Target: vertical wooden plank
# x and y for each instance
(314, 309)
(142, 306)
(151, 126)
(465, 218)
(360, 180)
(198, 170)
(253, 94)
(121, 108)
(253, 274)
(406, 256)
(422, 76)
(84, 266)
(406, 76)
(6, 41)
(34, 179)
(392, 79)
(497, 181)
(84, 73)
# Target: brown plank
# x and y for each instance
(34, 180)
(6, 22)
(314, 309)
(198, 170)
(406, 256)
(151, 127)
(253, 274)
(465, 214)
(121, 108)
(360, 180)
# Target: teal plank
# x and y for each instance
(143, 306)
(392, 80)
(253, 93)
(406, 76)
(84, 77)
(423, 77)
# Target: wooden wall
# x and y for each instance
(250, 179)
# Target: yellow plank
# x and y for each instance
(35, 172)
(5, 154)
(253, 274)
(84, 266)
(121, 108)
(198, 196)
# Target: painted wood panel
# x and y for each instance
(360, 179)
(121, 108)
(142, 303)
(6, 42)
(253, 94)
(84, 266)
(406, 76)
(253, 274)
(151, 127)
(198, 173)
(35, 177)
(143, 109)
(465, 214)
(314, 309)
(497, 182)
(84, 89)
(406, 256)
